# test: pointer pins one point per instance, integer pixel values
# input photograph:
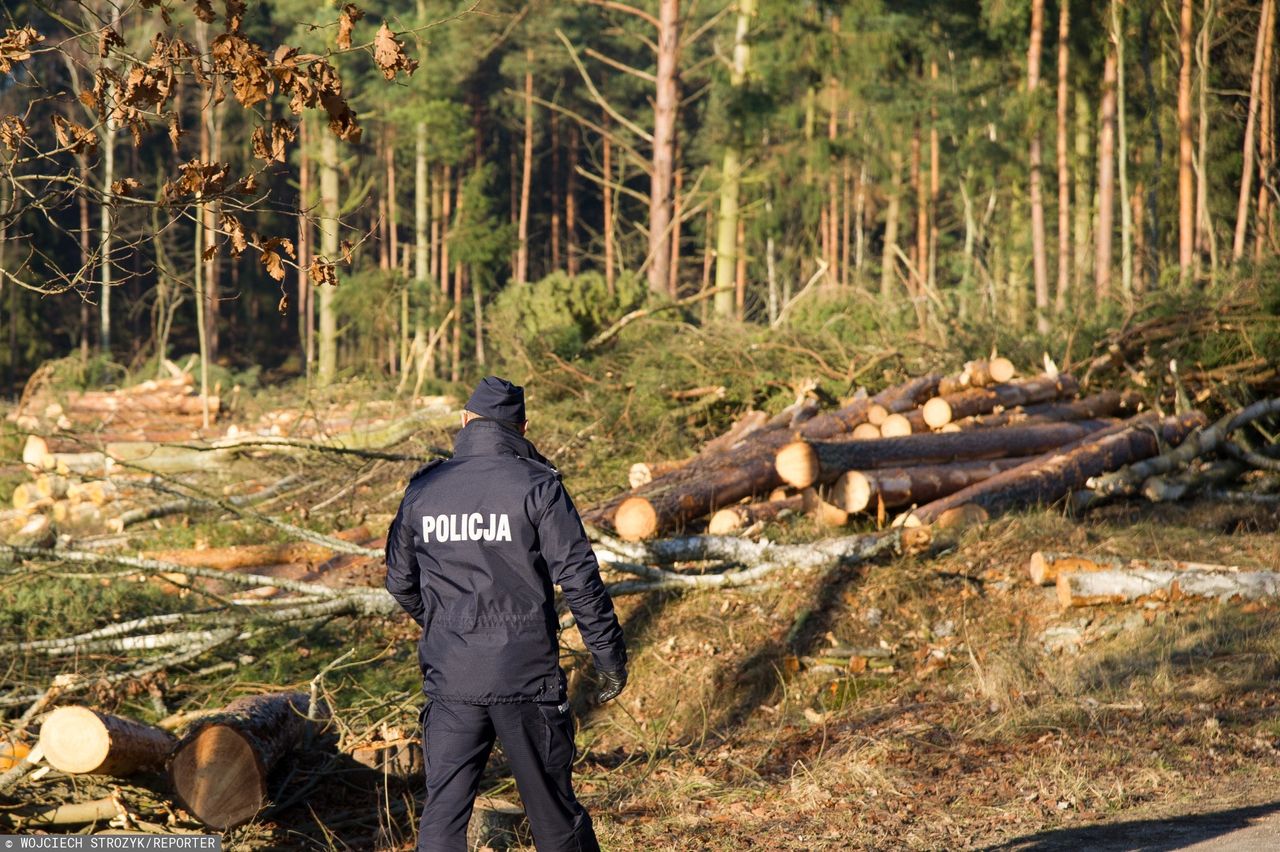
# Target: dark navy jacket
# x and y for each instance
(472, 556)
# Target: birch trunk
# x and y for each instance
(1246, 175)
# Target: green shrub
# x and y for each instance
(559, 314)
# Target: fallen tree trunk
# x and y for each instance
(77, 740)
(237, 557)
(1056, 474)
(219, 769)
(859, 490)
(1212, 439)
(743, 471)
(1090, 588)
(1097, 406)
(941, 410)
(734, 518)
(802, 464)
(1046, 568)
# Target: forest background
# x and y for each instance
(414, 192)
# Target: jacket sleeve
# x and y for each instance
(574, 569)
(402, 567)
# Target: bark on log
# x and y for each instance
(219, 769)
(979, 374)
(743, 471)
(1056, 474)
(734, 518)
(77, 740)
(1090, 588)
(238, 557)
(1105, 404)
(75, 813)
(801, 464)
(1046, 568)
(859, 491)
(941, 410)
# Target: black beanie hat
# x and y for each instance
(498, 399)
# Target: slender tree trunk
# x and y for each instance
(1266, 145)
(935, 181)
(740, 273)
(1122, 152)
(105, 228)
(437, 181)
(211, 151)
(1186, 197)
(731, 172)
(446, 228)
(833, 187)
(1064, 162)
(846, 217)
(919, 254)
(1251, 123)
(770, 260)
(526, 175)
(304, 244)
(1140, 249)
(554, 118)
(422, 244)
(1039, 249)
(677, 208)
(889, 259)
(1106, 179)
(571, 203)
(86, 261)
(665, 106)
(1083, 194)
(607, 191)
(477, 299)
(1206, 242)
(859, 213)
(393, 214)
(329, 248)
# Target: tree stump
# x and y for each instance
(496, 824)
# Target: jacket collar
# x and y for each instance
(487, 438)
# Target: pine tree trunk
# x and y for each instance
(446, 225)
(393, 215)
(327, 340)
(740, 272)
(889, 259)
(304, 244)
(1122, 153)
(1251, 123)
(919, 254)
(860, 491)
(935, 185)
(211, 151)
(105, 229)
(526, 176)
(665, 107)
(677, 210)
(1266, 145)
(731, 173)
(1206, 241)
(1064, 163)
(86, 262)
(607, 192)
(1106, 179)
(1186, 197)
(556, 185)
(422, 243)
(1084, 197)
(1039, 250)
(571, 204)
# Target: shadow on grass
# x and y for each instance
(1156, 835)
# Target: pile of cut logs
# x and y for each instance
(938, 449)
(167, 409)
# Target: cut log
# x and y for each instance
(496, 824)
(52, 485)
(642, 473)
(979, 374)
(877, 414)
(11, 754)
(744, 471)
(219, 769)
(99, 491)
(801, 464)
(858, 491)
(24, 495)
(866, 431)
(78, 740)
(894, 426)
(36, 532)
(734, 518)
(1046, 568)
(1124, 586)
(980, 400)
(243, 556)
(35, 453)
(1052, 476)
(1105, 404)
(75, 813)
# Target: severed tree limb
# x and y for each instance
(186, 504)
(1129, 479)
(1122, 586)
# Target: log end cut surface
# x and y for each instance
(894, 426)
(797, 464)
(218, 778)
(936, 412)
(853, 491)
(74, 740)
(636, 519)
(726, 521)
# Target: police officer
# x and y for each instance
(472, 556)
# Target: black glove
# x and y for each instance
(611, 684)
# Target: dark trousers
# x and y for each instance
(538, 742)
